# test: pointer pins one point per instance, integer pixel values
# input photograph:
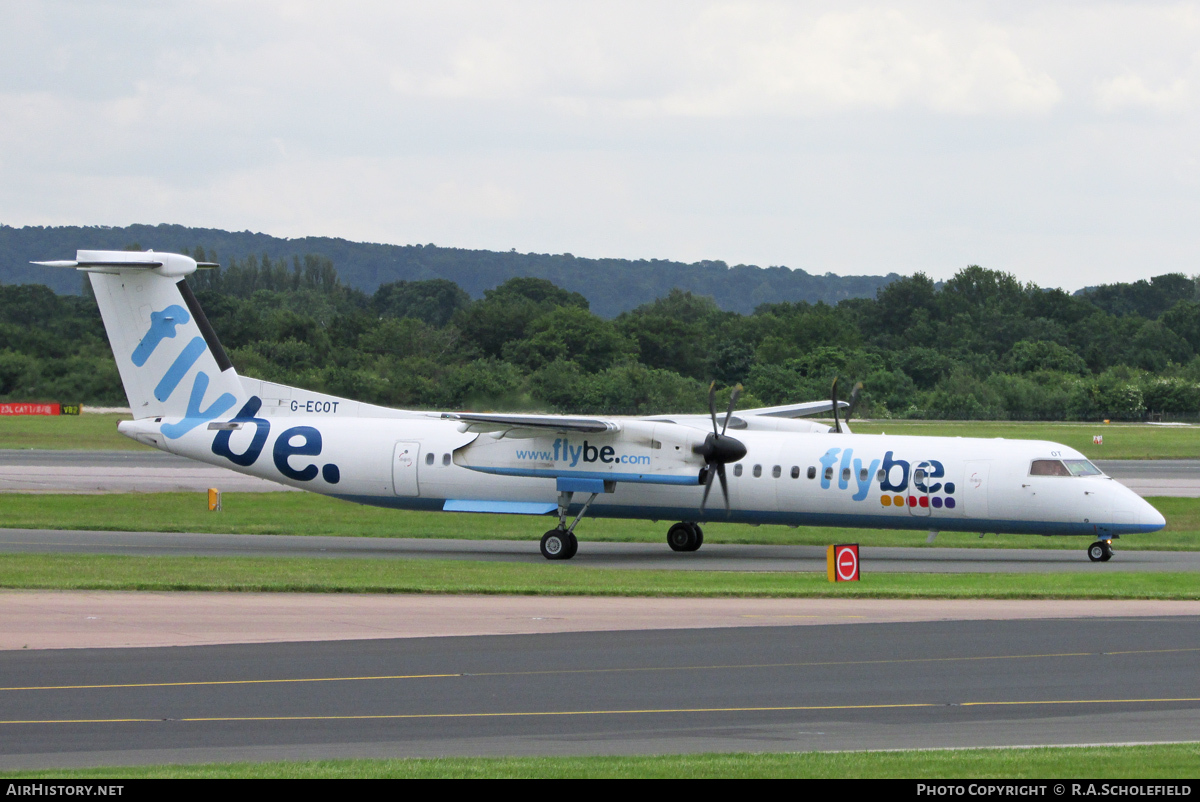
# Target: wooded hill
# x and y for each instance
(611, 286)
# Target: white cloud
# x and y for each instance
(732, 59)
(1130, 91)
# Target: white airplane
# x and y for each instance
(187, 399)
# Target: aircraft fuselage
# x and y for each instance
(798, 479)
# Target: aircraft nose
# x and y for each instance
(1149, 516)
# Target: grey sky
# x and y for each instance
(1056, 141)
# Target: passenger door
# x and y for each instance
(405, 458)
(975, 488)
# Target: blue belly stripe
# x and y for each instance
(504, 507)
(974, 525)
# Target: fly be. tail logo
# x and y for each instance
(163, 327)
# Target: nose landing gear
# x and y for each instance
(1100, 551)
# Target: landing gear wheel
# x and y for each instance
(556, 545)
(680, 537)
(684, 536)
(572, 546)
(1100, 551)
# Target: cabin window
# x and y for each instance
(919, 476)
(429, 458)
(845, 474)
(862, 475)
(796, 472)
(1081, 467)
(828, 474)
(879, 475)
(757, 471)
(445, 459)
(812, 472)
(1048, 467)
(776, 471)
(737, 470)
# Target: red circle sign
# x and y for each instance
(847, 564)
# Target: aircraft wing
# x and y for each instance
(482, 422)
(794, 410)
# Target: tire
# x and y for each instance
(682, 537)
(1108, 552)
(555, 545)
(572, 547)
(1096, 551)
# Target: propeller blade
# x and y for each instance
(708, 486)
(737, 390)
(837, 426)
(712, 405)
(854, 396)
(724, 486)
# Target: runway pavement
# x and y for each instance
(148, 471)
(652, 556)
(761, 689)
(1166, 477)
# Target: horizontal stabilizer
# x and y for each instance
(168, 264)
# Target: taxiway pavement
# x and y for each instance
(762, 689)
(652, 556)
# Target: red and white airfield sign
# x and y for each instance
(842, 562)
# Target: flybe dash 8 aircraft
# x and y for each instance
(187, 399)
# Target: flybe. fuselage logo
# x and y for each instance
(901, 483)
(294, 442)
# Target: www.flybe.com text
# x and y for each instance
(571, 454)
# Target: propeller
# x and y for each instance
(855, 394)
(719, 448)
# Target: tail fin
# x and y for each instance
(170, 360)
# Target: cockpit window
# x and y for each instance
(1063, 467)
(1048, 467)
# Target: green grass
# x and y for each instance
(1166, 761)
(92, 431)
(344, 575)
(1121, 440)
(312, 514)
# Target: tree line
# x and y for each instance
(981, 345)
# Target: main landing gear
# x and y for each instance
(685, 536)
(1100, 552)
(560, 543)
